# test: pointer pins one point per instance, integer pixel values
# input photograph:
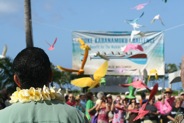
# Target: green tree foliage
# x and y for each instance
(6, 74)
(170, 68)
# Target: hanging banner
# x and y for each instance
(127, 54)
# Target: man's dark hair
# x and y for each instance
(33, 68)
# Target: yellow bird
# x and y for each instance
(153, 72)
(88, 81)
(85, 47)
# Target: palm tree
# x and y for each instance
(28, 23)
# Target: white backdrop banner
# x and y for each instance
(127, 55)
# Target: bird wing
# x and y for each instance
(142, 112)
(83, 82)
(141, 34)
(139, 16)
(138, 84)
(141, 115)
(85, 58)
(54, 41)
(153, 20)
(4, 50)
(161, 21)
(66, 69)
(48, 43)
(134, 20)
(153, 91)
(139, 47)
(82, 44)
(81, 41)
(94, 84)
(133, 33)
(101, 71)
(88, 81)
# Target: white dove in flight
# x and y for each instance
(3, 55)
(157, 17)
(135, 32)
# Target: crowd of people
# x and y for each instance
(107, 108)
(34, 102)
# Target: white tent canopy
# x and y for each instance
(174, 77)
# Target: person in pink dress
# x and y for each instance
(103, 109)
(163, 106)
(118, 111)
(166, 105)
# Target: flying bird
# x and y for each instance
(92, 82)
(133, 22)
(86, 49)
(136, 84)
(157, 17)
(142, 111)
(129, 47)
(139, 84)
(52, 45)
(136, 32)
(3, 55)
(141, 6)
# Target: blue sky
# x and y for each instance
(58, 18)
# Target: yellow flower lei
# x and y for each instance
(38, 94)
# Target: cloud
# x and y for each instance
(8, 7)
